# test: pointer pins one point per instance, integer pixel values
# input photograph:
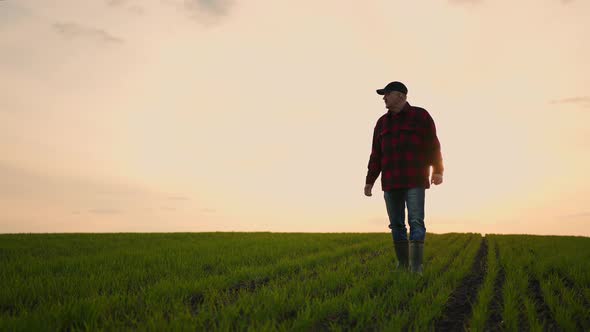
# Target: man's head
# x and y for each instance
(395, 95)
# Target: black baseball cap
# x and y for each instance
(393, 86)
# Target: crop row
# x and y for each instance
(545, 286)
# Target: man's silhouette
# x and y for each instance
(404, 147)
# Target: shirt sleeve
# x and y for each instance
(433, 147)
(374, 167)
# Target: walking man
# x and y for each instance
(404, 147)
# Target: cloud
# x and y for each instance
(213, 7)
(583, 101)
(74, 30)
(12, 12)
(127, 5)
(117, 3)
(203, 11)
(105, 211)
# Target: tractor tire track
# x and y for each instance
(543, 312)
(403, 306)
(494, 321)
(460, 305)
(535, 293)
(404, 302)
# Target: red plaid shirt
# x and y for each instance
(404, 147)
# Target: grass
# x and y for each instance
(284, 282)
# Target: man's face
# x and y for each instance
(394, 100)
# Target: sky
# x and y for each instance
(226, 115)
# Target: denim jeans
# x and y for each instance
(395, 202)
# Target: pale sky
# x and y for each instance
(208, 115)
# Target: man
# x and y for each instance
(404, 147)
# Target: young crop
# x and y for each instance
(291, 281)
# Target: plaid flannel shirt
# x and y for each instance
(404, 147)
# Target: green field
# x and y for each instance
(291, 281)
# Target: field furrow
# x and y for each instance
(437, 292)
(439, 269)
(459, 307)
(494, 322)
(543, 313)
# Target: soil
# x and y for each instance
(458, 309)
(543, 311)
(495, 322)
(403, 306)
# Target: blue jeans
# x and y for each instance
(395, 202)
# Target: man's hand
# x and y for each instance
(368, 188)
(436, 179)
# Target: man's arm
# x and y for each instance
(433, 147)
(374, 167)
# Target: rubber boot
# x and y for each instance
(416, 255)
(401, 250)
